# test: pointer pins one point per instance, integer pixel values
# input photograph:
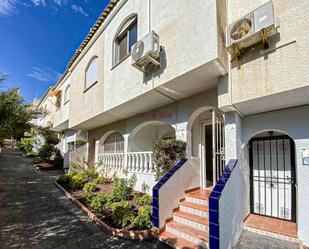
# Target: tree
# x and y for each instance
(15, 115)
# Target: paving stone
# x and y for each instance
(34, 214)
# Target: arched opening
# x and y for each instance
(272, 175)
(206, 143)
(111, 152)
(67, 94)
(125, 38)
(92, 71)
(141, 142)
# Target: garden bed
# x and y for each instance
(46, 166)
(111, 204)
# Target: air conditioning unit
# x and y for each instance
(255, 27)
(146, 53)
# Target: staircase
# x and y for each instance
(189, 226)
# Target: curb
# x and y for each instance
(122, 233)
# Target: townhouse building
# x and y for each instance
(230, 78)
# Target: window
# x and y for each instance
(92, 73)
(58, 100)
(70, 146)
(126, 38)
(67, 94)
(114, 143)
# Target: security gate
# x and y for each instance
(272, 164)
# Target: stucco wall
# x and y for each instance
(86, 104)
(293, 122)
(255, 75)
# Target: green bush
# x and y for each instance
(122, 214)
(100, 180)
(46, 151)
(78, 181)
(58, 158)
(123, 188)
(143, 218)
(32, 154)
(26, 144)
(90, 187)
(143, 200)
(166, 154)
(91, 174)
(87, 197)
(98, 202)
(65, 179)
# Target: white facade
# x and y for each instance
(261, 91)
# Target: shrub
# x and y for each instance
(123, 188)
(90, 187)
(91, 174)
(46, 151)
(100, 180)
(26, 144)
(98, 202)
(65, 179)
(32, 154)
(143, 218)
(87, 197)
(78, 181)
(143, 200)
(122, 213)
(58, 158)
(166, 153)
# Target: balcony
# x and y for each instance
(61, 118)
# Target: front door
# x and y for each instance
(272, 164)
(213, 153)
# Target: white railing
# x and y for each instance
(140, 162)
(111, 161)
(136, 162)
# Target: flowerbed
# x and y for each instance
(113, 201)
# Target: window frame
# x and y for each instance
(117, 143)
(124, 31)
(65, 97)
(93, 58)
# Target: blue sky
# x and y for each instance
(39, 37)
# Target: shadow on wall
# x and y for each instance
(163, 64)
(254, 52)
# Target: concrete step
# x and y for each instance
(190, 234)
(177, 242)
(195, 209)
(191, 220)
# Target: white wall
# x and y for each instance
(293, 122)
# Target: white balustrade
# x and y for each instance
(140, 162)
(137, 162)
(111, 161)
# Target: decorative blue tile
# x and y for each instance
(218, 188)
(155, 212)
(214, 230)
(213, 217)
(155, 193)
(213, 203)
(215, 194)
(155, 202)
(214, 243)
(155, 222)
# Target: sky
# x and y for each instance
(39, 37)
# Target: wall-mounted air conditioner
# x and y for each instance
(146, 53)
(254, 27)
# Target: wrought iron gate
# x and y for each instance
(272, 166)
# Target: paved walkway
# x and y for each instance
(34, 214)
(249, 240)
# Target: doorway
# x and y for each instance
(212, 149)
(272, 177)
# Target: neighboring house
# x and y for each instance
(251, 104)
